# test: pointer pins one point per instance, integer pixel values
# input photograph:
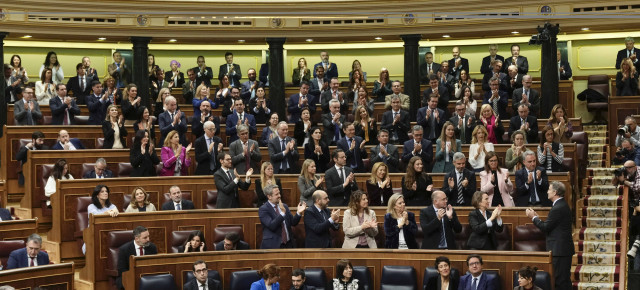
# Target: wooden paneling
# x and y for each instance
(58, 276)
(18, 229)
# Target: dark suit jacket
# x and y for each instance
(338, 194)
(5, 214)
(327, 96)
(73, 85)
(426, 154)
(238, 159)
(392, 161)
(432, 228)
(186, 204)
(622, 54)
(97, 109)
(522, 63)
(322, 161)
(166, 125)
(143, 164)
(330, 73)
(487, 77)
(272, 225)
(20, 114)
(315, 89)
(485, 283)
(443, 100)
(392, 232)
(108, 132)
(277, 155)
(503, 101)
(245, 92)
(203, 157)
(532, 135)
(486, 63)
(234, 77)
(567, 70)
(468, 127)
(203, 76)
(467, 192)
(242, 245)
(523, 193)
(534, 101)
(129, 249)
(424, 75)
(355, 156)
(421, 118)
(75, 141)
(168, 78)
(58, 111)
(328, 134)
(480, 233)
(295, 111)
(436, 283)
(517, 84)
(454, 71)
(228, 190)
(401, 127)
(197, 128)
(264, 73)
(18, 259)
(557, 227)
(316, 228)
(22, 153)
(211, 285)
(232, 121)
(92, 174)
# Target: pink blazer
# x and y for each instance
(169, 161)
(506, 189)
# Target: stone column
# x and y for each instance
(412, 72)
(3, 96)
(276, 76)
(549, 72)
(140, 74)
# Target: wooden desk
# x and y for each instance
(53, 276)
(162, 223)
(18, 229)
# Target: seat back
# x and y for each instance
(46, 119)
(504, 239)
(126, 200)
(220, 232)
(212, 199)
(8, 246)
(185, 195)
(211, 274)
(87, 167)
(430, 272)
(82, 217)
(43, 176)
(528, 238)
(159, 281)
(115, 239)
(599, 83)
(81, 120)
(364, 277)
(316, 278)
(178, 238)
(124, 169)
(463, 236)
(398, 278)
(99, 143)
(542, 280)
(241, 280)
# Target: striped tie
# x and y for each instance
(460, 197)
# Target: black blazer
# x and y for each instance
(97, 109)
(211, 284)
(92, 174)
(373, 132)
(234, 77)
(523, 194)
(299, 134)
(73, 85)
(424, 73)
(392, 232)
(186, 204)
(443, 100)
(521, 62)
(329, 128)
(228, 190)
(401, 127)
(242, 245)
(452, 64)
(622, 54)
(432, 228)
(486, 63)
(126, 250)
(467, 192)
(259, 112)
(179, 82)
(567, 70)
(197, 128)
(262, 198)
(557, 227)
(203, 76)
(426, 154)
(534, 101)
(143, 164)
(203, 157)
(152, 131)
(108, 132)
(316, 228)
(628, 87)
(322, 161)
(421, 196)
(339, 195)
(392, 161)
(482, 237)
(277, 155)
(355, 156)
(436, 283)
(468, 127)
(532, 134)
(58, 108)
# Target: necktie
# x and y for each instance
(212, 162)
(178, 207)
(355, 154)
(336, 131)
(29, 117)
(66, 117)
(432, 135)
(283, 165)
(395, 133)
(462, 135)
(495, 107)
(284, 225)
(229, 174)
(324, 216)
(534, 195)
(172, 116)
(460, 196)
(343, 175)
(443, 238)
(82, 84)
(247, 160)
(204, 286)
(141, 252)
(474, 286)
(240, 117)
(429, 69)
(32, 262)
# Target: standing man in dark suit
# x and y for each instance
(99, 171)
(276, 220)
(439, 221)
(531, 183)
(513, 80)
(463, 123)
(476, 280)
(516, 59)
(334, 94)
(488, 60)
(198, 120)
(189, 87)
(208, 147)
(299, 101)
(27, 110)
(201, 281)
(176, 202)
(264, 73)
(353, 148)
(557, 227)
(97, 103)
(240, 117)
(250, 87)
(37, 143)
(333, 123)
(340, 180)
(497, 98)
(439, 89)
(231, 70)
(319, 84)
(228, 181)
(385, 152)
(63, 108)
(140, 246)
(427, 68)
(204, 74)
(459, 184)
(119, 71)
(564, 68)
(283, 151)
(172, 119)
(431, 118)
(528, 96)
(629, 52)
(330, 69)
(318, 219)
(245, 153)
(30, 256)
(495, 72)
(457, 63)
(525, 123)
(89, 72)
(396, 122)
(80, 85)
(418, 147)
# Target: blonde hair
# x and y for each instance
(162, 91)
(477, 130)
(133, 202)
(107, 116)
(443, 134)
(392, 203)
(357, 115)
(167, 140)
(198, 90)
(263, 177)
(305, 170)
(374, 178)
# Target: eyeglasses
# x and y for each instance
(200, 271)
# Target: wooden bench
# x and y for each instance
(18, 229)
(53, 276)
